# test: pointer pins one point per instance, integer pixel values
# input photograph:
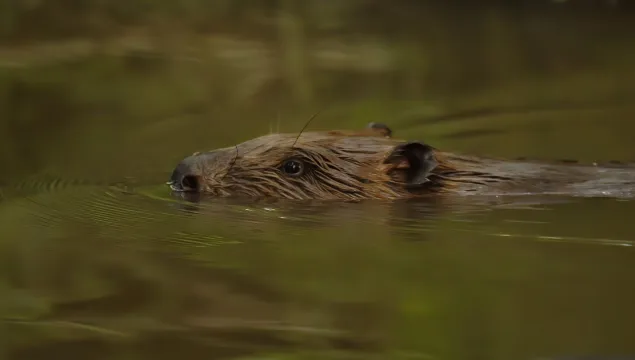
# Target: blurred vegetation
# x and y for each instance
(457, 45)
(269, 65)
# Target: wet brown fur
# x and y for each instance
(339, 165)
(348, 165)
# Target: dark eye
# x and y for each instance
(293, 167)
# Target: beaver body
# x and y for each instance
(370, 164)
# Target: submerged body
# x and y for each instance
(372, 165)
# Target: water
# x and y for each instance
(135, 273)
(99, 260)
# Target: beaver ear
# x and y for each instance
(379, 128)
(416, 159)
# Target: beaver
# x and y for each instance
(372, 164)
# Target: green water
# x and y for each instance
(98, 260)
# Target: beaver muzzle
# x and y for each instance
(186, 177)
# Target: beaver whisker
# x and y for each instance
(305, 126)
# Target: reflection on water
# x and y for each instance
(137, 273)
(99, 260)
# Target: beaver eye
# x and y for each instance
(293, 167)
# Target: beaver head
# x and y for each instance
(314, 165)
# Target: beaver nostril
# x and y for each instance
(190, 183)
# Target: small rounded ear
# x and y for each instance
(379, 128)
(415, 159)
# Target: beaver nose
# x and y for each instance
(184, 178)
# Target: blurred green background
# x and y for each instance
(100, 98)
(75, 73)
